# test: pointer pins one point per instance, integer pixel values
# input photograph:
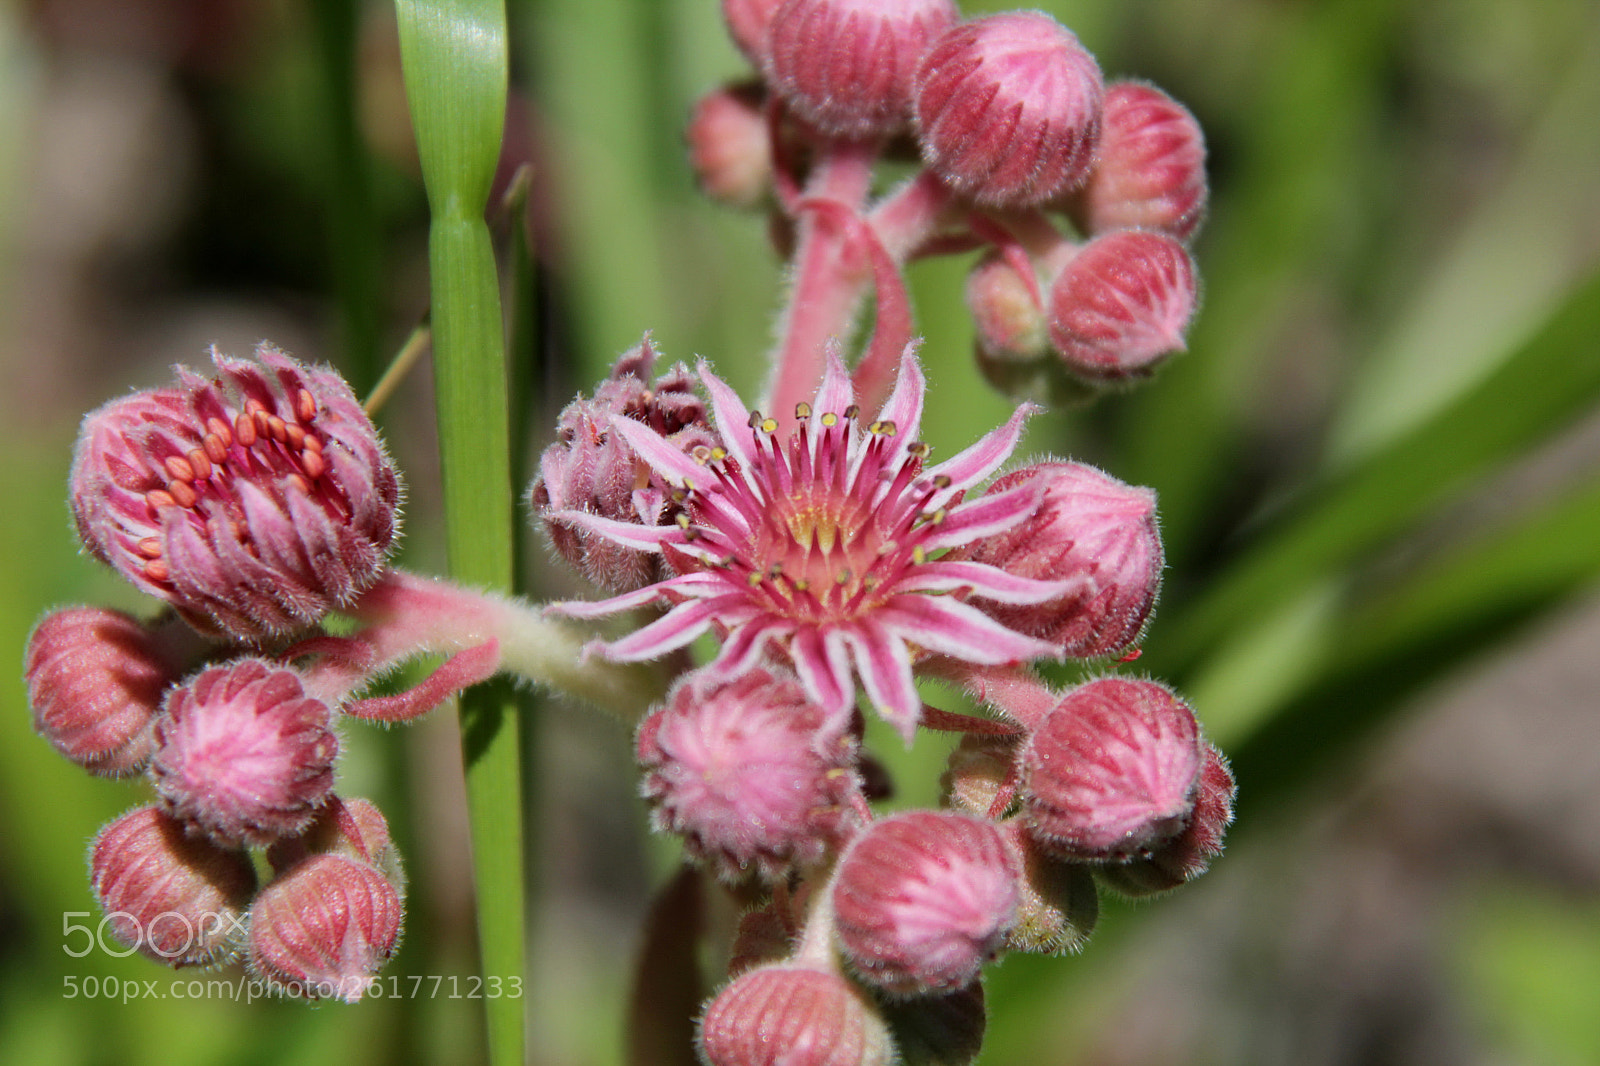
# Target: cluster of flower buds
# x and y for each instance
(1085, 193)
(251, 503)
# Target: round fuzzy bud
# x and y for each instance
(730, 148)
(1121, 305)
(243, 754)
(1010, 323)
(322, 929)
(591, 468)
(846, 66)
(1008, 109)
(1151, 171)
(354, 828)
(1189, 854)
(254, 502)
(923, 899)
(95, 679)
(1088, 527)
(1111, 771)
(1059, 905)
(747, 22)
(943, 1030)
(750, 772)
(978, 768)
(178, 899)
(789, 1014)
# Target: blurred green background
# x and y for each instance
(1379, 467)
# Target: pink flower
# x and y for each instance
(821, 547)
(254, 501)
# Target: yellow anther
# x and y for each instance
(719, 454)
(853, 411)
(683, 521)
(769, 425)
(830, 419)
(918, 555)
(802, 410)
(941, 481)
(753, 578)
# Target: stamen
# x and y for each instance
(300, 483)
(216, 448)
(941, 481)
(313, 463)
(769, 425)
(844, 576)
(683, 521)
(220, 430)
(918, 555)
(719, 453)
(178, 467)
(156, 570)
(305, 406)
(254, 406)
(882, 429)
(919, 449)
(200, 462)
(244, 428)
(753, 578)
(802, 410)
(754, 420)
(150, 547)
(157, 499)
(278, 428)
(853, 412)
(701, 453)
(296, 437)
(313, 442)
(183, 493)
(830, 419)
(263, 427)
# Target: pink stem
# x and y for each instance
(891, 330)
(1016, 692)
(909, 217)
(950, 722)
(828, 278)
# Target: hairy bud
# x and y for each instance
(1189, 854)
(790, 1014)
(1122, 305)
(323, 928)
(730, 148)
(1151, 172)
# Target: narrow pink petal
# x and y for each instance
(904, 405)
(732, 416)
(989, 582)
(748, 643)
(884, 663)
(824, 668)
(945, 625)
(628, 534)
(462, 669)
(694, 586)
(835, 393)
(667, 459)
(671, 631)
(984, 517)
(984, 458)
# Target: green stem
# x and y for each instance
(454, 56)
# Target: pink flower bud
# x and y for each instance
(794, 1015)
(1189, 854)
(1008, 108)
(1111, 772)
(243, 754)
(846, 66)
(591, 468)
(179, 899)
(95, 679)
(323, 928)
(1151, 172)
(1091, 527)
(254, 502)
(1059, 905)
(978, 768)
(730, 149)
(354, 828)
(1122, 304)
(747, 22)
(749, 771)
(923, 899)
(1011, 324)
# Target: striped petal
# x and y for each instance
(989, 582)
(884, 663)
(947, 626)
(983, 458)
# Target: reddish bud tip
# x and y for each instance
(1008, 108)
(322, 929)
(846, 66)
(923, 899)
(1111, 772)
(1151, 171)
(1189, 854)
(1090, 528)
(1122, 304)
(730, 148)
(793, 1015)
(750, 772)
(95, 679)
(747, 22)
(591, 468)
(178, 899)
(243, 754)
(254, 501)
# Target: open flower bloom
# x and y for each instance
(821, 548)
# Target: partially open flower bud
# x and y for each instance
(923, 899)
(243, 754)
(1151, 172)
(95, 679)
(846, 66)
(178, 899)
(1111, 772)
(254, 502)
(750, 772)
(1091, 528)
(1122, 305)
(1189, 854)
(1059, 905)
(730, 148)
(790, 1014)
(1008, 108)
(591, 468)
(323, 928)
